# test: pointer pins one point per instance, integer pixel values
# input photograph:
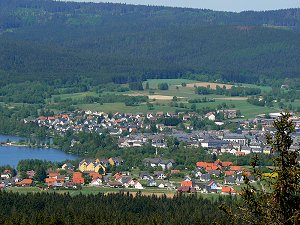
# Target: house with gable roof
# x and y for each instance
(137, 185)
(127, 181)
(116, 161)
(166, 164)
(91, 166)
(212, 186)
(226, 190)
(25, 183)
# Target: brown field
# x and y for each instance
(160, 97)
(205, 84)
(152, 97)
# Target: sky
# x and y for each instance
(221, 5)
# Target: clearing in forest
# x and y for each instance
(206, 84)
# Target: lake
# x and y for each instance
(12, 154)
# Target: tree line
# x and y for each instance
(121, 208)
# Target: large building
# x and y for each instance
(92, 166)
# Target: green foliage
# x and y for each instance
(28, 92)
(136, 86)
(37, 165)
(60, 43)
(233, 91)
(11, 121)
(87, 143)
(51, 208)
(201, 100)
(163, 86)
(40, 174)
(70, 43)
(277, 199)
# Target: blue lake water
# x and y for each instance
(12, 155)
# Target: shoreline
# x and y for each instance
(16, 144)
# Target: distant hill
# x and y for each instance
(52, 41)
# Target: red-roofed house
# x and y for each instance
(77, 178)
(229, 173)
(25, 183)
(210, 164)
(50, 181)
(201, 164)
(226, 164)
(53, 174)
(95, 175)
(117, 176)
(186, 184)
(247, 174)
(213, 167)
(236, 168)
(227, 190)
(183, 189)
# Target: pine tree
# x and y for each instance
(276, 200)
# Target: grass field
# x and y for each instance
(161, 99)
(248, 110)
(97, 190)
(75, 95)
(94, 190)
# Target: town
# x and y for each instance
(216, 177)
(135, 130)
(160, 174)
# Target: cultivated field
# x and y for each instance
(162, 99)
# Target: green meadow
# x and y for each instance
(161, 99)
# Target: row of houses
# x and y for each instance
(132, 130)
(208, 187)
(99, 165)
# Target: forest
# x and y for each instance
(122, 208)
(83, 44)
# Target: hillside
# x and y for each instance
(60, 42)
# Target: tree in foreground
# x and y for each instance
(276, 197)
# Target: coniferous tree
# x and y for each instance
(276, 200)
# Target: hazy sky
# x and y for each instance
(224, 5)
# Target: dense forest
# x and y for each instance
(120, 208)
(66, 43)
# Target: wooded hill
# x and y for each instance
(61, 42)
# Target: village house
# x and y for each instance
(126, 181)
(228, 114)
(237, 138)
(25, 183)
(91, 166)
(152, 183)
(160, 175)
(227, 190)
(78, 178)
(166, 164)
(116, 161)
(145, 176)
(115, 184)
(68, 166)
(6, 175)
(137, 185)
